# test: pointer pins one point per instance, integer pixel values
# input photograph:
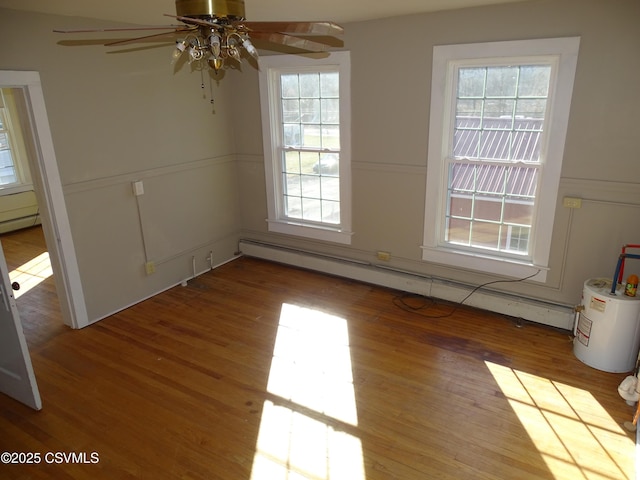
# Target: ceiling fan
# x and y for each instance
(216, 30)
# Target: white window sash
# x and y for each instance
(271, 67)
(564, 51)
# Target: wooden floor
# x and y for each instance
(260, 371)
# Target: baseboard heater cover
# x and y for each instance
(19, 223)
(558, 316)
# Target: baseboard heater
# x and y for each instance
(19, 223)
(558, 316)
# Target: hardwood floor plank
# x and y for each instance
(234, 373)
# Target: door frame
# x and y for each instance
(50, 197)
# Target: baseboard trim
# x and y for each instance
(558, 316)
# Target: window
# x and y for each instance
(306, 131)
(499, 114)
(14, 169)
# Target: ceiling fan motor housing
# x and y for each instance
(231, 9)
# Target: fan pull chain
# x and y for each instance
(211, 89)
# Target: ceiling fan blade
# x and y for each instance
(145, 38)
(299, 28)
(119, 29)
(290, 41)
(195, 21)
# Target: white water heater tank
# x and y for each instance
(607, 331)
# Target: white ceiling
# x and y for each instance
(150, 12)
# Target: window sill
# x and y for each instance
(16, 188)
(484, 263)
(310, 231)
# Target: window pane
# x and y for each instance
(485, 235)
(290, 86)
(526, 139)
(490, 178)
(291, 111)
(292, 183)
(292, 162)
(330, 211)
(311, 209)
(310, 85)
(330, 108)
(466, 141)
(293, 206)
(330, 188)
(292, 134)
(518, 211)
(462, 177)
(330, 85)
(522, 181)
(495, 145)
(329, 164)
(311, 136)
(330, 137)
(458, 231)
(498, 113)
(487, 207)
(308, 162)
(310, 186)
(534, 81)
(471, 82)
(516, 239)
(310, 110)
(502, 81)
(460, 205)
(531, 110)
(469, 108)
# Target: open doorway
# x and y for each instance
(21, 234)
(30, 114)
(28, 263)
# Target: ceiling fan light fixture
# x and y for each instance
(249, 47)
(214, 45)
(181, 46)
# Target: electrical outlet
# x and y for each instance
(150, 267)
(572, 202)
(384, 256)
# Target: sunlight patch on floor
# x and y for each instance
(306, 430)
(567, 425)
(31, 274)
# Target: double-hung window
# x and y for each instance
(14, 169)
(306, 135)
(499, 114)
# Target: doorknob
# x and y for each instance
(15, 286)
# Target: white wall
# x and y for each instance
(391, 83)
(121, 117)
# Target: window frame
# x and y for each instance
(563, 53)
(271, 67)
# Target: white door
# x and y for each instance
(16, 372)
